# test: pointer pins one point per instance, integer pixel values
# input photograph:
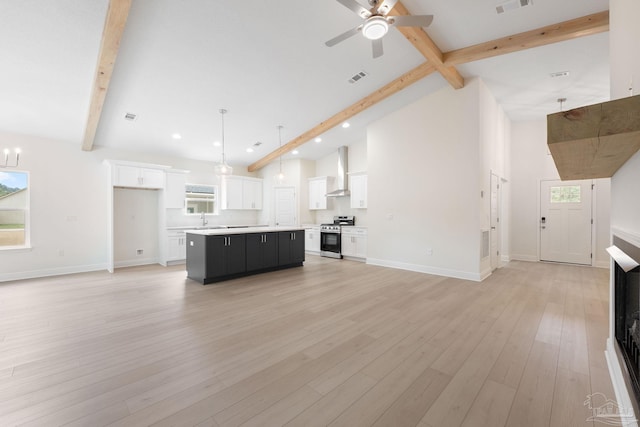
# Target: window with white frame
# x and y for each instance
(201, 199)
(14, 209)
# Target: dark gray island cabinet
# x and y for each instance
(217, 255)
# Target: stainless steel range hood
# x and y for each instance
(341, 178)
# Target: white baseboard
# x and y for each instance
(506, 258)
(485, 274)
(623, 399)
(136, 262)
(530, 258)
(59, 271)
(476, 277)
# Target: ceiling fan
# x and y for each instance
(376, 22)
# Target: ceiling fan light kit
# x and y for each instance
(376, 22)
(375, 28)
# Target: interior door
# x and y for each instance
(285, 209)
(565, 221)
(495, 221)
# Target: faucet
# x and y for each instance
(204, 220)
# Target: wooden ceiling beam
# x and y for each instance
(423, 43)
(567, 30)
(384, 92)
(445, 64)
(115, 21)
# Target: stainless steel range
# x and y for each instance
(330, 236)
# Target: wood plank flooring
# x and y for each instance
(334, 343)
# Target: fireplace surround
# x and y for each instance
(624, 343)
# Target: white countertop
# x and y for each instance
(212, 227)
(246, 230)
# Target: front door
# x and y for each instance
(285, 211)
(565, 221)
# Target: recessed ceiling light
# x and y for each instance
(345, 125)
(294, 152)
(249, 150)
(318, 140)
(217, 143)
(176, 136)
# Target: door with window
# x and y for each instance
(565, 221)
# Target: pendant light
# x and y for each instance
(223, 168)
(280, 176)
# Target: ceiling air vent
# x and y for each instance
(512, 5)
(130, 116)
(358, 76)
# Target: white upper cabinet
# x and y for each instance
(251, 193)
(358, 187)
(174, 195)
(138, 175)
(240, 192)
(318, 188)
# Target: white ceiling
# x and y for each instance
(266, 62)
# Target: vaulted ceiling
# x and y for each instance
(178, 63)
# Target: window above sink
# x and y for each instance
(201, 199)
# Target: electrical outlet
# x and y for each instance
(429, 251)
(60, 252)
(140, 251)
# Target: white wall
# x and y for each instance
(328, 166)
(531, 163)
(495, 141)
(625, 72)
(135, 227)
(424, 164)
(69, 193)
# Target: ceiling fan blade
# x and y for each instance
(355, 6)
(386, 7)
(377, 48)
(411, 21)
(334, 41)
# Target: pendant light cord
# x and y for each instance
(222, 113)
(280, 139)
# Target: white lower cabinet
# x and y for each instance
(354, 242)
(312, 239)
(176, 246)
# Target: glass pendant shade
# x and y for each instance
(222, 167)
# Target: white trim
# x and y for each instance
(530, 258)
(136, 262)
(476, 277)
(60, 271)
(602, 264)
(626, 235)
(506, 259)
(617, 379)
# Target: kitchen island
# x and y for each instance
(214, 255)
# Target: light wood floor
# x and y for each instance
(334, 343)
